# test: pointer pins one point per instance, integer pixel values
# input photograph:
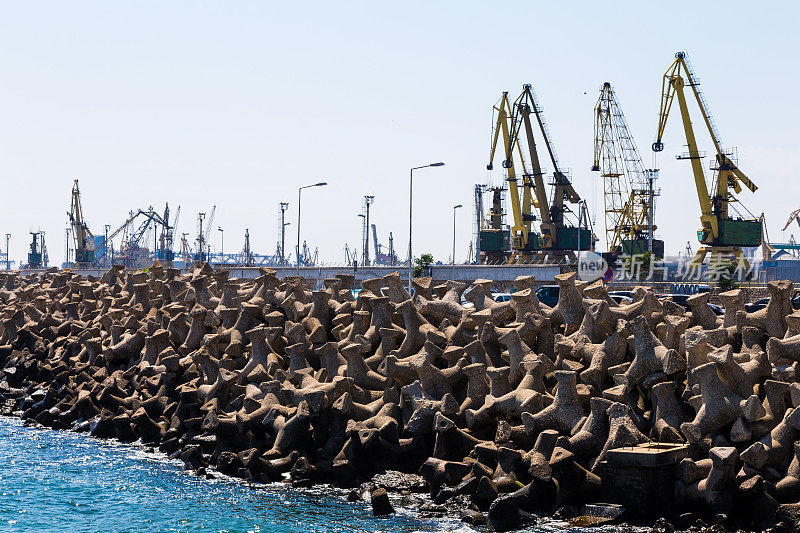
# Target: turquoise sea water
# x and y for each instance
(61, 481)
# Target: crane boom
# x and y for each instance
(210, 224)
(794, 216)
(175, 222)
(375, 241)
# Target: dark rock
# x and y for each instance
(505, 514)
(662, 526)
(444, 494)
(485, 493)
(475, 518)
(228, 463)
(303, 473)
(381, 505)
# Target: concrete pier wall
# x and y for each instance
(502, 274)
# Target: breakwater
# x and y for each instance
(503, 410)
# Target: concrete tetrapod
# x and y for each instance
(507, 408)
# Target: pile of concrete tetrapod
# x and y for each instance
(508, 409)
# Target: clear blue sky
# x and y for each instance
(238, 103)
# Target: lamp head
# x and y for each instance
(439, 164)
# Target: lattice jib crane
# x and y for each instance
(720, 233)
(628, 190)
(209, 225)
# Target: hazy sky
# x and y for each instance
(239, 103)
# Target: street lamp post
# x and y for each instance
(8, 257)
(363, 218)
(284, 207)
(105, 245)
(410, 212)
(297, 250)
(453, 265)
(222, 243)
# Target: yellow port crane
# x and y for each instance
(721, 234)
(628, 191)
(557, 240)
(524, 241)
(84, 240)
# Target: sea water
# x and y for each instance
(63, 481)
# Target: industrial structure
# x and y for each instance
(365, 227)
(37, 254)
(492, 243)
(203, 249)
(548, 220)
(558, 239)
(721, 234)
(628, 189)
(84, 247)
(383, 258)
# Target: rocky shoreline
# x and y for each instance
(501, 412)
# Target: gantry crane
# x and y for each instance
(721, 234)
(492, 245)
(84, 240)
(629, 192)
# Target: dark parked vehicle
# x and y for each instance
(762, 303)
(681, 299)
(689, 288)
(621, 299)
(627, 294)
(548, 294)
(751, 307)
